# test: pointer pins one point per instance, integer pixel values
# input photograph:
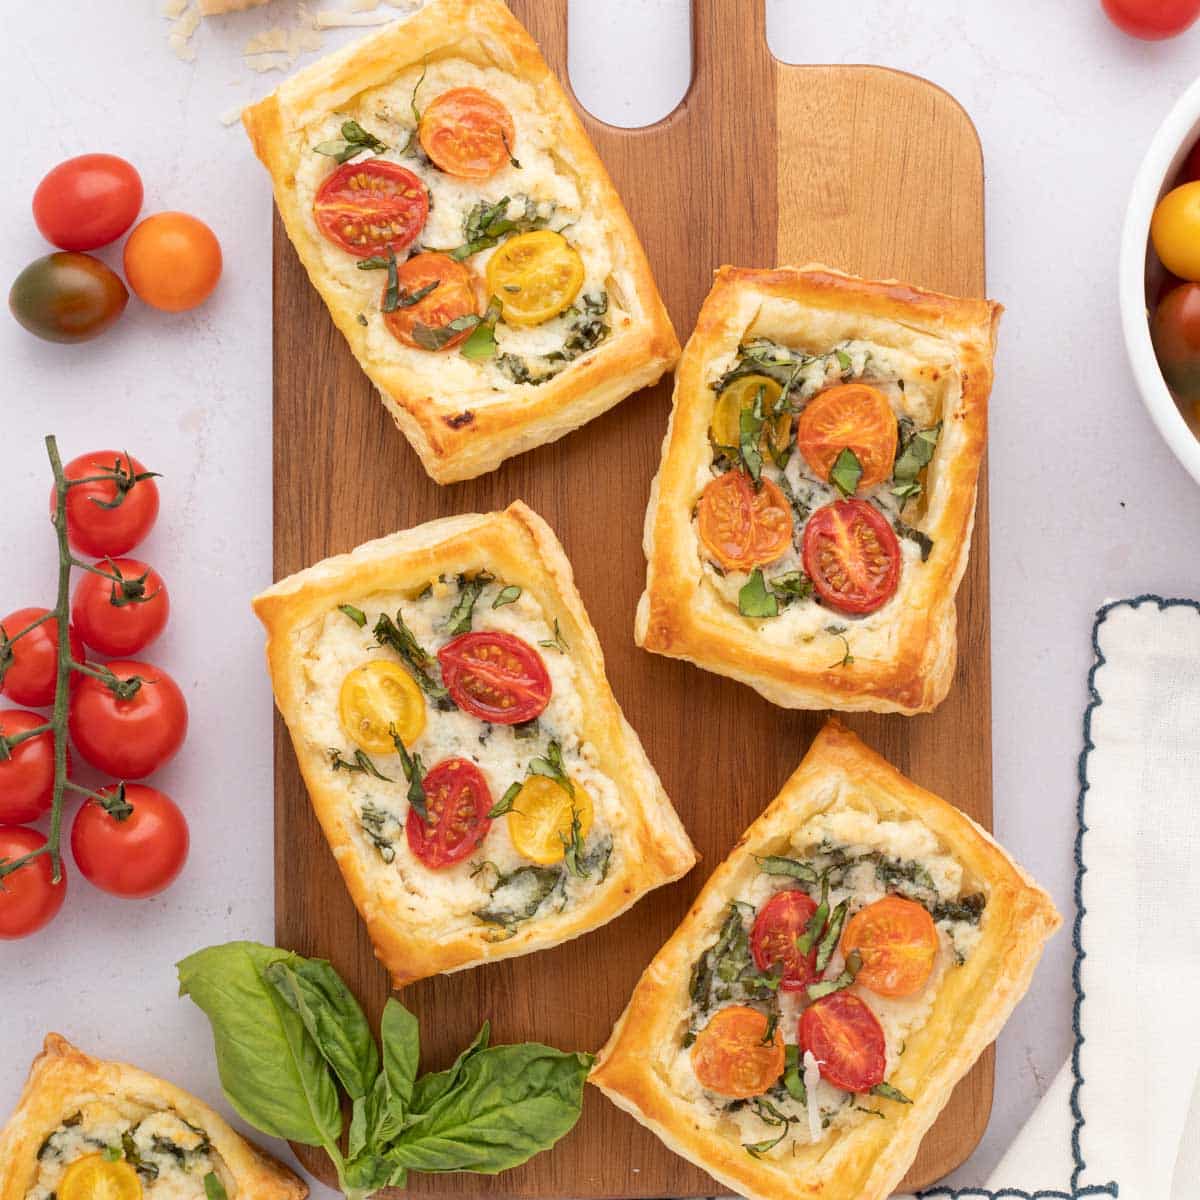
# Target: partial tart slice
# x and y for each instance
(84, 1126)
(840, 972)
(471, 769)
(454, 216)
(812, 515)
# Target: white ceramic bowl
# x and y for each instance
(1141, 273)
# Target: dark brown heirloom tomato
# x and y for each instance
(1175, 329)
(67, 297)
(458, 801)
(371, 207)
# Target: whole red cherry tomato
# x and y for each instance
(120, 616)
(1152, 20)
(87, 201)
(27, 775)
(133, 849)
(29, 898)
(29, 663)
(115, 510)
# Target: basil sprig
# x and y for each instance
(288, 1032)
(913, 455)
(354, 140)
(487, 224)
(846, 472)
(420, 663)
(760, 597)
(469, 589)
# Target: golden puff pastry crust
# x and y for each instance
(463, 420)
(63, 1079)
(902, 657)
(414, 932)
(865, 1158)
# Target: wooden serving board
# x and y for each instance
(866, 169)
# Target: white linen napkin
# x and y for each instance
(1123, 1116)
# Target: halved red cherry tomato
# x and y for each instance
(371, 207)
(458, 802)
(455, 295)
(32, 672)
(116, 511)
(29, 898)
(128, 737)
(467, 132)
(773, 938)
(853, 416)
(730, 1056)
(120, 618)
(87, 201)
(137, 854)
(743, 527)
(852, 556)
(496, 677)
(27, 775)
(898, 942)
(1152, 20)
(847, 1041)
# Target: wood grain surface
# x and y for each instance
(866, 169)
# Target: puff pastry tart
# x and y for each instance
(812, 515)
(86, 1128)
(455, 218)
(482, 792)
(838, 975)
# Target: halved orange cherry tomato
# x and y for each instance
(898, 942)
(377, 697)
(726, 427)
(454, 296)
(496, 677)
(730, 1057)
(852, 556)
(371, 207)
(851, 416)
(743, 528)
(847, 1041)
(542, 815)
(467, 132)
(773, 938)
(535, 276)
(458, 802)
(93, 1177)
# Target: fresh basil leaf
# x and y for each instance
(833, 932)
(401, 1039)
(505, 803)
(557, 642)
(313, 990)
(113, 1154)
(846, 472)
(507, 595)
(758, 1149)
(968, 909)
(753, 598)
(507, 1104)
(382, 1122)
(362, 764)
(750, 424)
(355, 614)
(915, 535)
(774, 864)
(435, 1085)
(430, 337)
(414, 772)
(816, 923)
(459, 620)
(890, 1093)
(552, 767)
(573, 856)
(214, 1189)
(827, 987)
(518, 895)
(397, 635)
(792, 586)
(270, 1068)
(482, 342)
(843, 361)
(793, 1074)
(915, 452)
(354, 140)
(356, 1141)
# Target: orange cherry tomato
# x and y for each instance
(172, 261)
(467, 132)
(898, 942)
(454, 295)
(741, 527)
(730, 1057)
(852, 556)
(847, 1041)
(851, 416)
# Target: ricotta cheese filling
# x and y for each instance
(916, 392)
(542, 182)
(171, 1156)
(861, 857)
(496, 885)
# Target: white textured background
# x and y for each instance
(1086, 501)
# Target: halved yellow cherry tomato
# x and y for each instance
(535, 276)
(93, 1177)
(375, 697)
(540, 821)
(738, 397)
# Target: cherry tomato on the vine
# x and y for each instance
(67, 297)
(130, 735)
(29, 897)
(1152, 20)
(113, 512)
(172, 261)
(87, 201)
(29, 663)
(27, 775)
(135, 851)
(122, 615)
